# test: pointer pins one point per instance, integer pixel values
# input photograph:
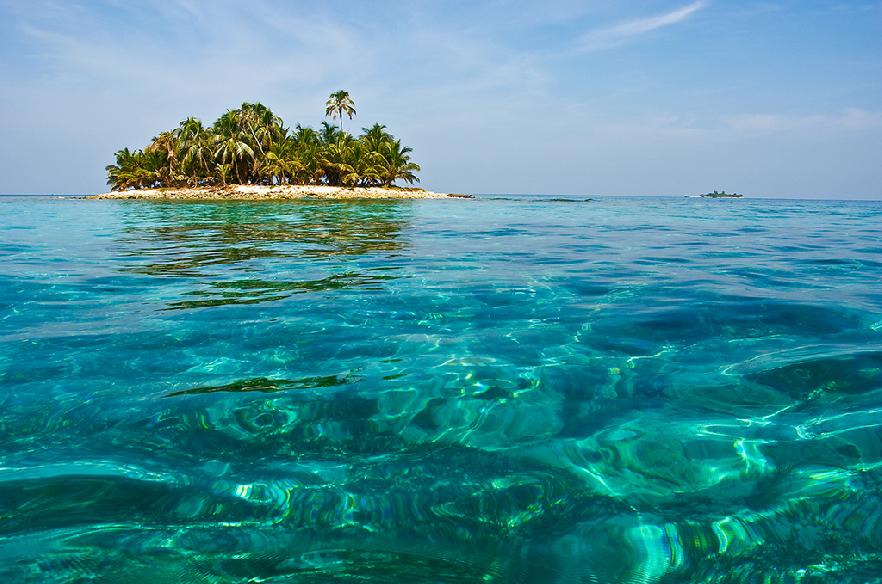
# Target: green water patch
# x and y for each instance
(258, 291)
(812, 378)
(267, 385)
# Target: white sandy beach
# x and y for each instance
(269, 192)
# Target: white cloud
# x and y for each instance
(618, 34)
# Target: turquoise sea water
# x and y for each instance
(508, 389)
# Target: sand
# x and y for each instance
(274, 192)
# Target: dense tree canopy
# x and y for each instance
(251, 145)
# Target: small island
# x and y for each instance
(721, 195)
(249, 153)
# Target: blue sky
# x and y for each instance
(771, 98)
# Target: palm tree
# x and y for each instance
(261, 129)
(337, 161)
(274, 167)
(398, 164)
(167, 146)
(281, 164)
(223, 172)
(301, 135)
(136, 169)
(375, 136)
(307, 146)
(250, 144)
(329, 133)
(196, 150)
(368, 164)
(232, 151)
(340, 103)
(120, 176)
(230, 145)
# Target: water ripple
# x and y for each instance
(518, 389)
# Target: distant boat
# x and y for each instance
(721, 195)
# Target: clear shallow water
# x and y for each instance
(501, 390)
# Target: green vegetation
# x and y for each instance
(251, 145)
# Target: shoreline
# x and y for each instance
(274, 192)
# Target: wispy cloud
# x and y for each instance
(618, 34)
(850, 120)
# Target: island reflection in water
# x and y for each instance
(248, 253)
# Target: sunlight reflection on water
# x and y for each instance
(510, 389)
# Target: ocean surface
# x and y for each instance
(507, 389)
